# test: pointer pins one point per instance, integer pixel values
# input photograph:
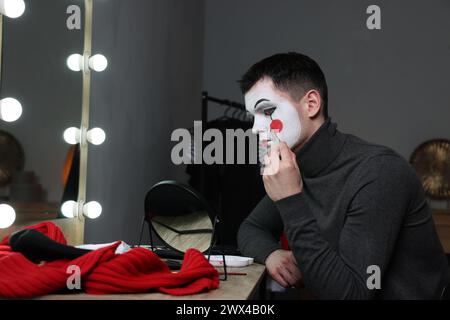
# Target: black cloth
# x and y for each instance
(36, 247)
(232, 190)
(361, 205)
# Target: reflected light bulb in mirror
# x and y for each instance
(69, 209)
(12, 8)
(7, 216)
(75, 62)
(10, 109)
(72, 135)
(92, 209)
(96, 136)
(98, 62)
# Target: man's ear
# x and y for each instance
(313, 102)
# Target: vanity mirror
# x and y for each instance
(38, 169)
(179, 216)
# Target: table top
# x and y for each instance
(236, 287)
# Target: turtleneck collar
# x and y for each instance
(320, 150)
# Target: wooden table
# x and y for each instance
(237, 287)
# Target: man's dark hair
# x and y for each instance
(292, 72)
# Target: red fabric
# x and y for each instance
(284, 241)
(104, 272)
(49, 229)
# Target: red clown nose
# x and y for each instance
(276, 125)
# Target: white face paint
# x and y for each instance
(266, 105)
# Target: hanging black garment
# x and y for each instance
(233, 190)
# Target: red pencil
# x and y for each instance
(234, 273)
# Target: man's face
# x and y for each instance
(267, 103)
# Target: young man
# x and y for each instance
(354, 213)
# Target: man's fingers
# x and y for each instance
(293, 266)
(295, 272)
(292, 257)
(288, 277)
(268, 167)
(294, 159)
(285, 152)
(274, 152)
(274, 159)
(278, 278)
(274, 146)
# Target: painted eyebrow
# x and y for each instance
(259, 101)
(264, 105)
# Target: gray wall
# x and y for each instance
(151, 87)
(389, 86)
(35, 48)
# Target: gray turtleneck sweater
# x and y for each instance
(362, 205)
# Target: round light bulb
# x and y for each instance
(96, 136)
(98, 62)
(69, 209)
(72, 135)
(7, 216)
(10, 109)
(75, 62)
(12, 8)
(92, 209)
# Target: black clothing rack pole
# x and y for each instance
(223, 102)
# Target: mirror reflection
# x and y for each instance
(38, 169)
(188, 231)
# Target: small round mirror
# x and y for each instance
(179, 216)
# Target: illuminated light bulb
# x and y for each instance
(7, 216)
(72, 135)
(92, 209)
(69, 209)
(75, 62)
(98, 63)
(12, 8)
(10, 109)
(96, 136)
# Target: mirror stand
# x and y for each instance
(218, 235)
